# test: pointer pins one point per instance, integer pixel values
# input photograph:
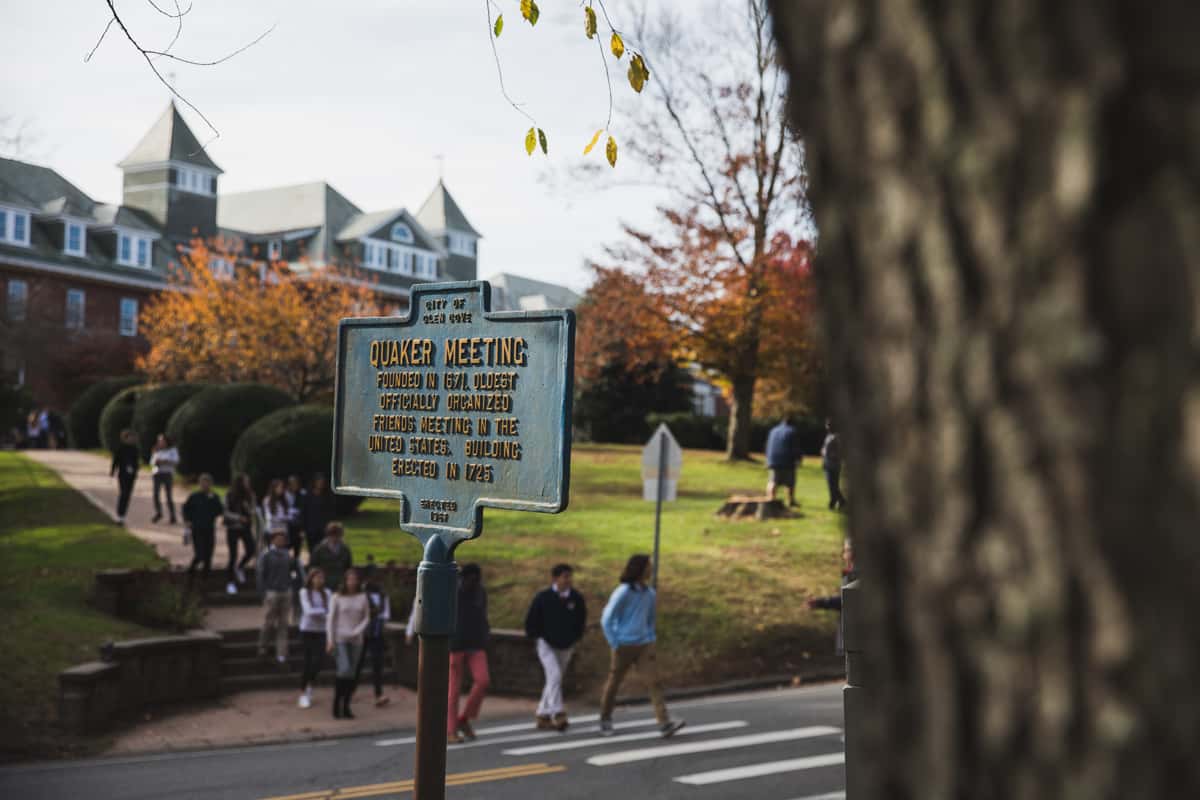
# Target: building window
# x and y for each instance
(73, 242)
(143, 252)
(18, 299)
(222, 269)
(125, 249)
(193, 180)
(133, 251)
(14, 226)
(275, 249)
(402, 233)
(75, 308)
(129, 317)
(462, 244)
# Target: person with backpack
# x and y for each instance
(314, 612)
(468, 652)
(349, 615)
(628, 622)
(239, 526)
(320, 507)
(164, 458)
(201, 511)
(374, 642)
(125, 463)
(555, 620)
(274, 577)
(831, 462)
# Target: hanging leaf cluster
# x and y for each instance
(530, 11)
(536, 137)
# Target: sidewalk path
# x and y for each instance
(87, 473)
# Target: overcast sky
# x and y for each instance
(361, 93)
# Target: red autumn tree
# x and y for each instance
(620, 321)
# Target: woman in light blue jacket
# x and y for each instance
(628, 623)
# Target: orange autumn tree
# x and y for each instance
(619, 321)
(262, 323)
(790, 365)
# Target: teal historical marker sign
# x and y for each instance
(455, 408)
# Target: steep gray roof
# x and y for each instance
(31, 186)
(281, 209)
(517, 287)
(169, 139)
(439, 213)
(125, 217)
(373, 221)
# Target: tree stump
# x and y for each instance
(749, 507)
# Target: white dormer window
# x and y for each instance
(402, 233)
(14, 226)
(462, 244)
(74, 239)
(275, 249)
(196, 181)
(134, 251)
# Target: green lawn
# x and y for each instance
(732, 594)
(51, 542)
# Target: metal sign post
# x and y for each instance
(452, 409)
(662, 459)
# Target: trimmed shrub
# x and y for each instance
(207, 426)
(118, 415)
(83, 418)
(297, 440)
(153, 410)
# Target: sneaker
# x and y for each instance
(669, 729)
(544, 723)
(305, 701)
(560, 722)
(121, 521)
(455, 738)
(231, 588)
(382, 701)
(606, 728)
(464, 725)
(157, 517)
(241, 575)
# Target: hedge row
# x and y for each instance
(153, 410)
(207, 426)
(83, 418)
(118, 415)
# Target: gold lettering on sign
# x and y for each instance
(480, 351)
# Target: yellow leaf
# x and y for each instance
(611, 151)
(618, 46)
(638, 74)
(530, 11)
(542, 141)
(530, 141)
(499, 25)
(592, 143)
(589, 22)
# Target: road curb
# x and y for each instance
(781, 681)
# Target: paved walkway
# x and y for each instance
(87, 473)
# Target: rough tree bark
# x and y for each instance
(1008, 199)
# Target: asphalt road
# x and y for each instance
(775, 745)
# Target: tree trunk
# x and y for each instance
(1008, 200)
(737, 440)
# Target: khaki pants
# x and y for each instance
(278, 606)
(624, 657)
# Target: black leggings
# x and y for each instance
(163, 481)
(314, 653)
(203, 543)
(125, 482)
(373, 648)
(232, 537)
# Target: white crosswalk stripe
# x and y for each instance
(759, 770)
(576, 744)
(709, 745)
(486, 733)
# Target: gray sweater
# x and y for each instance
(275, 568)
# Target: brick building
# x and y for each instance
(75, 273)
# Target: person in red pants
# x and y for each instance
(468, 652)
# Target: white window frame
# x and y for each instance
(143, 259)
(407, 259)
(8, 229)
(68, 227)
(122, 327)
(16, 305)
(143, 255)
(275, 250)
(193, 179)
(81, 322)
(406, 237)
(462, 244)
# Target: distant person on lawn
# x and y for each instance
(834, 602)
(783, 454)
(125, 463)
(374, 643)
(629, 626)
(556, 620)
(274, 575)
(239, 527)
(468, 652)
(349, 615)
(332, 555)
(314, 617)
(296, 497)
(320, 507)
(201, 511)
(164, 458)
(831, 462)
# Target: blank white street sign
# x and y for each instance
(650, 456)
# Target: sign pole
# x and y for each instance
(662, 474)
(437, 601)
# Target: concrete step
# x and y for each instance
(277, 680)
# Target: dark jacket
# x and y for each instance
(560, 622)
(834, 603)
(471, 632)
(783, 451)
(126, 459)
(202, 510)
(831, 451)
(319, 511)
(333, 563)
(275, 569)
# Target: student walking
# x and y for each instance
(125, 463)
(467, 652)
(296, 498)
(314, 613)
(831, 462)
(332, 555)
(275, 508)
(320, 507)
(164, 458)
(374, 644)
(783, 454)
(629, 626)
(349, 615)
(200, 513)
(274, 576)
(239, 525)
(556, 620)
